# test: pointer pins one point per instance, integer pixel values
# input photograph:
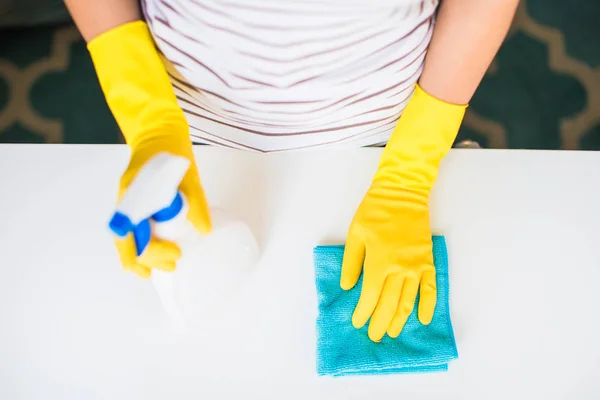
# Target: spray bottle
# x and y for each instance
(212, 267)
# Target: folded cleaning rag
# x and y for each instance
(344, 350)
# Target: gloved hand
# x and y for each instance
(139, 94)
(390, 231)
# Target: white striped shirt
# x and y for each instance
(272, 75)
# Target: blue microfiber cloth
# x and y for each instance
(344, 350)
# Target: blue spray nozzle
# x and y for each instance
(121, 225)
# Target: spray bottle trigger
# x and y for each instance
(142, 234)
(143, 231)
(121, 225)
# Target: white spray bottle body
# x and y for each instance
(212, 268)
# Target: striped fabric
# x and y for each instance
(273, 75)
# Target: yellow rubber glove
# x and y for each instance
(140, 96)
(390, 231)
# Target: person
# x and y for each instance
(293, 74)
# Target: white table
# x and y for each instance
(523, 232)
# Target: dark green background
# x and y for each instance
(523, 92)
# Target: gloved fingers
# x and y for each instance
(386, 307)
(128, 255)
(405, 307)
(160, 254)
(198, 214)
(428, 296)
(127, 251)
(369, 295)
(352, 265)
(140, 270)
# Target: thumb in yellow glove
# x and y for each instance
(390, 233)
(139, 93)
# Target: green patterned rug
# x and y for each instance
(541, 92)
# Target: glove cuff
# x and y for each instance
(135, 83)
(423, 136)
